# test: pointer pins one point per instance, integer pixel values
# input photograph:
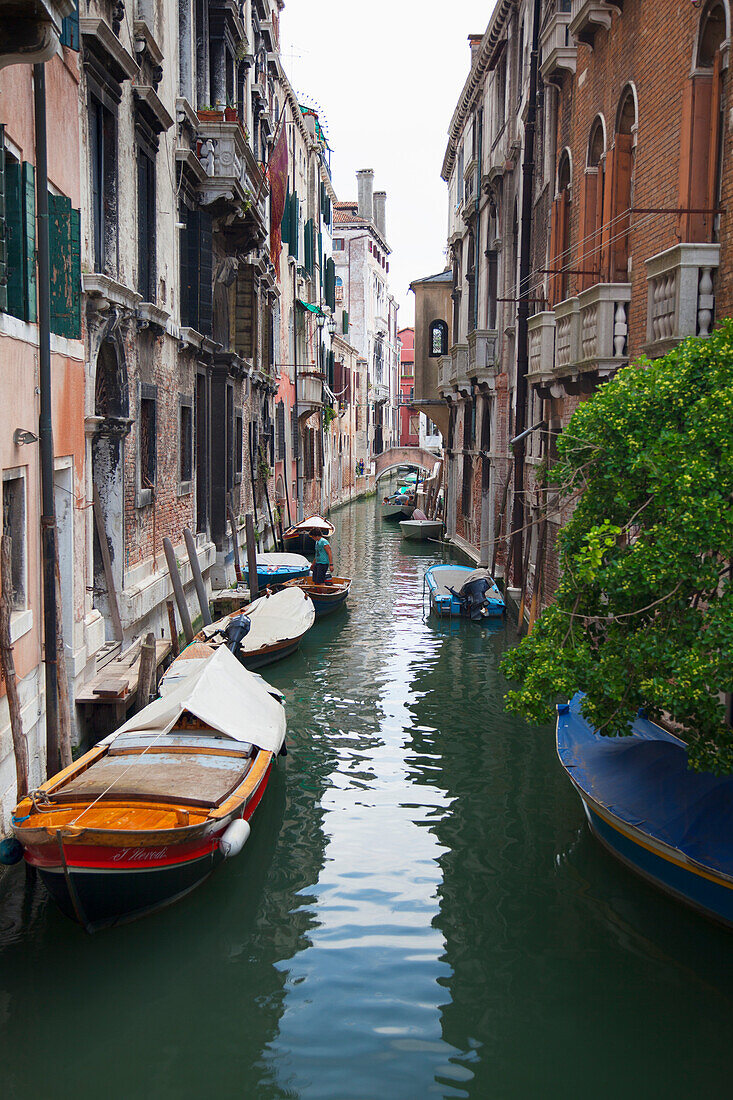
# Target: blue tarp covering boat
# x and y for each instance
(461, 590)
(279, 568)
(671, 825)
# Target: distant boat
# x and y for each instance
(670, 825)
(396, 507)
(461, 590)
(419, 527)
(279, 568)
(301, 538)
(264, 631)
(146, 815)
(325, 597)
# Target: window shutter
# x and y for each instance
(330, 285)
(280, 413)
(345, 322)
(59, 232)
(607, 229)
(285, 221)
(184, 216)
(70, 29)
(586, 216)
(205, 275)
(15, 239)
(75, 300)
(624, 163)
(3, 231)
(244, 318)
(28, 183)
(294, 432)
(714, 145)
(308, 246)
(293, 230)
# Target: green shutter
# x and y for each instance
(14, 225)
(285, 221)
(308, 246)
(345, 322)
(75, 301)
(330, 283)
(70, 29)
(293, 232)
(59, 234)
(3, 234)
(320, 257)
(29, 242)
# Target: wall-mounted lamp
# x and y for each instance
(21, 436)
(332, 325)
(320, 321)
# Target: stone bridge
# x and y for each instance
(405, 456)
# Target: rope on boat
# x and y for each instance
(118, 778)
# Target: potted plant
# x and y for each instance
(207, 113)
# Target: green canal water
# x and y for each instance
(420, 911)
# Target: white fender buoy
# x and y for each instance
(234, 838)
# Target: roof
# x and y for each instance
(442, 277)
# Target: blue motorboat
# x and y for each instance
(669, 824)
(462, 591)
(274, 569)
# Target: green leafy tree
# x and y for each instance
(643, 615)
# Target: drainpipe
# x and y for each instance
(525, 258)
(45, 432)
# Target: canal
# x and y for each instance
(420, 910)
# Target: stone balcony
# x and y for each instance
(33, 30)
(310, 392)
(587, 17)
(582, 342)
(234, 182)
(558, 50)
(453, 369)
(680, 295)
(482, 363)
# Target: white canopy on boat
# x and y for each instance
(312, 522)
(277, 618)
(222, 694)
(291, 561)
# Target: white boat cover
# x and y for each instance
(289, 561)
(222, 694)
(313, 521)
(279, 617)
(419, 514)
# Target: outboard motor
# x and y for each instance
(472, 596)
(236, 631)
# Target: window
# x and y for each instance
(238, 445)
(280, 421)
(103, 170)
(185, 442)
(466, 487)
(501, 92)
(17, 236)
(438, 339)
(616, 240)
(560, 232)
(592, 207)
(338, 244)
(14, 524)
(195, 270)
(147, 443)
(146, 236)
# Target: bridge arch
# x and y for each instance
(405, 456)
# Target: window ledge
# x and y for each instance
(144, 497)
(21, 623)
(184, 488)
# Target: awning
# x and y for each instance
(311, 308)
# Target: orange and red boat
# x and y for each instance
(146, 815)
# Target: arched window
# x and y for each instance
(591, 207)
(492, 256)
(616, 243)
(700, 138)
(560, 231)
(471, 281)
(438, 338)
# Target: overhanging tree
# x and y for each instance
(643, 615)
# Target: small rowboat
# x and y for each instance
(147, 814)
(420, 527)
(325, 597)
(279, 568)
(265, 631)
(668, 824)
(301, 538)
(460, 590)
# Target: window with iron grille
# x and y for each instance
(146, 229)
(147, 443)
(103, 171)
(14, 525)
(466, 493)
(185, 442)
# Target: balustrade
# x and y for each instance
(681, 294)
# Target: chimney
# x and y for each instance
(474, 41)
(380, 203)
(365, 184)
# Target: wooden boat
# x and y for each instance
(279, 568)
(419, 527)
(147, 814)
(481, 600)
(325, 597)
(668, 824)
(396, 507)
(273, 627)
(301, 538)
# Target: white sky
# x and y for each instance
(386, 75)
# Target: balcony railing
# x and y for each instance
(234, 177)
(541, 347)
(558, 48)
(681, 294)
(585, 335)
(310, 392)
(587, 17)
(482, 354)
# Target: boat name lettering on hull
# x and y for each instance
(139, 854)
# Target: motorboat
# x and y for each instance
(419, 527)
(325, 597)
(667, 823)
(301, 538)
(278, 568)
(397, 506)
(266, 630)
(462, 591)
(148, 813)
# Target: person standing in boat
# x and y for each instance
(323, 560)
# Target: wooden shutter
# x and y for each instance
(15, 239)
(28, 199)
(205, 275)
(293, 230)
(623, 167)
(3, 230)
(308, 246)
(587, 224)
(74, 330)
(330, 286)
(285, 221)
(345, 322)
(607, 228)
(294, 433)
(711, 199)
(697, 166)
(280, 413)
(60, 248)
(244, 316)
